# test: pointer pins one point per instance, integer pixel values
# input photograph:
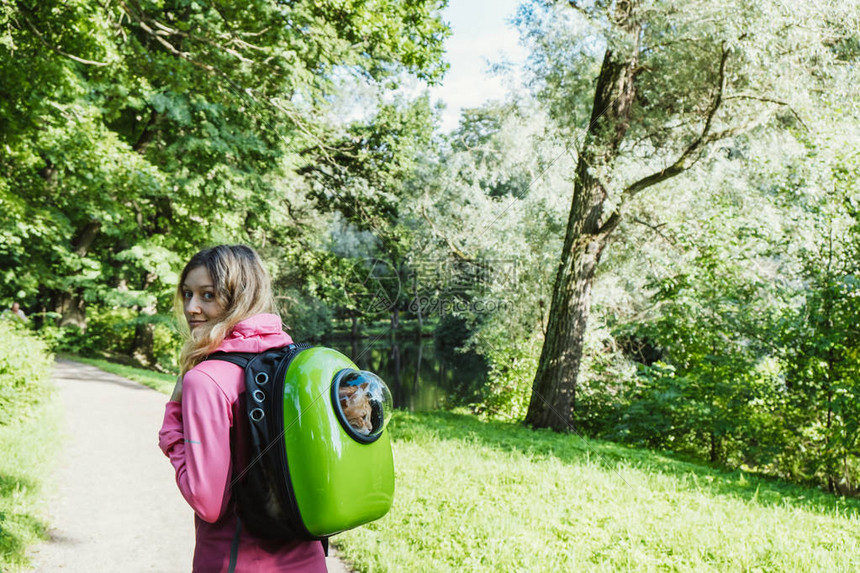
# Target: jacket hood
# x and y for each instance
(256, 334)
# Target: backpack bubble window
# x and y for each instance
(362, 402)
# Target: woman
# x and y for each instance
(227, 302)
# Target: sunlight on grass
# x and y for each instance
(475, 496)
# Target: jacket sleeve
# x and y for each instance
(195, 436)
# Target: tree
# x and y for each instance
(135, 132)
(672, 79)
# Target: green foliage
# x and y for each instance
(673, 80)
(701, 327)
(508, 390)
(166, 344)
(326, 284)
(25, 370)
(725, 308)
(111, 331)
(818, 336)
(490, 209)
(715, 293)
(306, 317)
(28, 440)
(739, 318)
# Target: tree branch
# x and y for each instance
(167, 30)
(655, 228)
(608, 226)
(653, 134)
(775, 101)
(147, 135)
(575, 5)
(234, 34)
(58, 50)
(141, 21)
(690, 155)
(136, 14)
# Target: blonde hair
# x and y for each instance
(241, 284)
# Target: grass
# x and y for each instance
(27, 451)
(475, 496)
(491, 496)
(29, 425)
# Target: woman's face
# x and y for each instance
(200, 302)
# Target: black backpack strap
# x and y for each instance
(234, 547)
(240, 359)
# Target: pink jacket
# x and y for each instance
(195, 436)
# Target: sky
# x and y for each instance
(480, 32)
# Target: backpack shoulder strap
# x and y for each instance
(240, 359)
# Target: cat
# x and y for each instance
(355, 403)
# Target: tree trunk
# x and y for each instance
(554, 392)
(72, 310)
(397, 383)
(417, 305)
(143, 343)
(71, 305)
(553, 398)
(417, 379)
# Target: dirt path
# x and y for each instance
(115, 505)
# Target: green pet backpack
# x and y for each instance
(313, 457)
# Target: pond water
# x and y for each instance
(422, 374)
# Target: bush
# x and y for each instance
(109, 331)
(166, 343)
(508, 389)
(25, 369)
(110, 334)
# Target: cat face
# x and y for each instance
(355, 403)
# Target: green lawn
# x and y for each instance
(490, 496)
(27, 450)
(475, 496)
